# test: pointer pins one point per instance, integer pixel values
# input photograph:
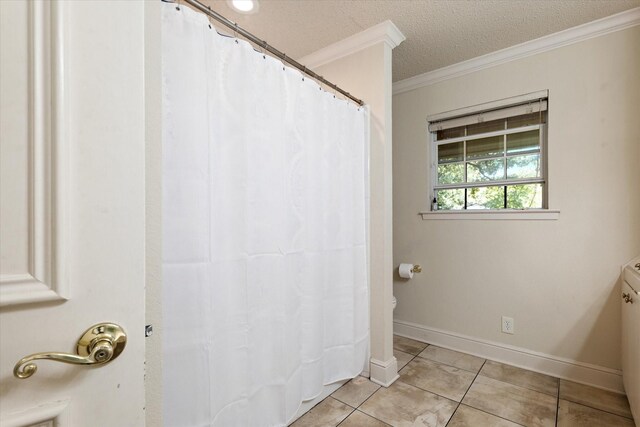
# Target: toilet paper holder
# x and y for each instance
(407, 270)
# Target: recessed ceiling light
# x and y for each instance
(244, 6)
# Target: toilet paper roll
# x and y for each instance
(406, 271)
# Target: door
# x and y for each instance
(72, 210)
(631, 338)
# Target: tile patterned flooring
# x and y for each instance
(439, 387)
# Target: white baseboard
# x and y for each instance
(384, 373)
(572, 370)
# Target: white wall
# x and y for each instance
(557, 279)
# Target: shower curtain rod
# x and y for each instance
(266, 46)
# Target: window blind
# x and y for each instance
(515, 106)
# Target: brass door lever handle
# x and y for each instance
(99, 344)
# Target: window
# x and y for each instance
(491, 159)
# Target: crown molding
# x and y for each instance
(386, 32)
(600, 27)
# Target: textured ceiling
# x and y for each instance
(439, 32)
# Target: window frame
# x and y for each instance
(543, 179)
(491, 183)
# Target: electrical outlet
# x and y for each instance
(507, 325)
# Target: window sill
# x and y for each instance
(481, 215)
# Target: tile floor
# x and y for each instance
(440, 387)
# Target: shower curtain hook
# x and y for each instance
(209, 18)
(235, 31)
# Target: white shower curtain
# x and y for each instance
(264, 275)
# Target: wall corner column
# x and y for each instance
(362, 65)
